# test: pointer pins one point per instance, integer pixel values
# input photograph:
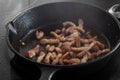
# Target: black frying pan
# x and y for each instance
(48, 15)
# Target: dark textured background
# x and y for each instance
(10, 8)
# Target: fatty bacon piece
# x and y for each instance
(32, 52)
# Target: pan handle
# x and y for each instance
(47, 72)
(10, 26)
(116, 13)
(113, 11)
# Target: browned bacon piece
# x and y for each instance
(41, 57)
(68, 23)
(56, 60)
(84, 59)
(48, 58)
(49, 41)
(77, 41)
(72, 61)
(39, 34)
(50, 48)
(58, 50)
(98, 53)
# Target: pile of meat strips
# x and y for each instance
(67, 46)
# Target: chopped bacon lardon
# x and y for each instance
(32, 52)
(39, 34)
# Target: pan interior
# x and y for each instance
(31, 40)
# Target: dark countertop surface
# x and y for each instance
(10, 8)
